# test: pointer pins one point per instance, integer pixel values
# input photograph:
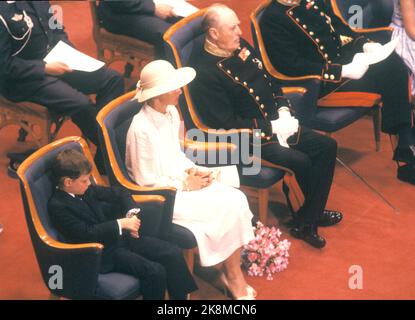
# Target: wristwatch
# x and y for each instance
(133, 212)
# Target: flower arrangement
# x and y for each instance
(266, 254)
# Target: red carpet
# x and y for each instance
(371, 236)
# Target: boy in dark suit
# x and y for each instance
(82, 212)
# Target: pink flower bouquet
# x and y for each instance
(266, 254)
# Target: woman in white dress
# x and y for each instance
(217, 214)
(403, 23)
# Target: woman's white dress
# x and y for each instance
(218, 215)
(406, 46)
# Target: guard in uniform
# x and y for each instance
(233, 91)
(28, 31)
(305, 37)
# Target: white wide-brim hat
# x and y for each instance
(160, 77)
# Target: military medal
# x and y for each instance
(244, 54)
(309, 5)
(258, 63)
(17, 17)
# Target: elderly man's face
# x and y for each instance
(228, 32)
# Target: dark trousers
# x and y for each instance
(312, 160)
(142, 27)
(68, 95)
(388, 78)
(158, 264)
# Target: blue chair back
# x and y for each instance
(181, 40)
(80, 263)
(375, 13)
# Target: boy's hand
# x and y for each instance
(131, 224)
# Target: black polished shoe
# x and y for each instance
(406, 173)
(405, 154)
(329, 218)
(309, 235)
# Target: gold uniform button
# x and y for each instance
(228, 71)
(326, 55)
(311, 33)
(322, 14)
(245, 84)
(236, 78)
(257, 98)
(291, 13)
(251, 90)
(326, 76)
(265, 76)
(332, 77)
(321, 47)
(304, 26)
(262, 134)
(266, 114)
(220, 65)
(329, 61)
(317, 40)
(316, 7)
(262, 106)
(296, 19)
(268, 138)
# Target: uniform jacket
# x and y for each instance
(24, 72)
(306, 39)
(92, 219)
(235, 92)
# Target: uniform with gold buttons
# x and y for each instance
(245, 96)
(306, 37)
(232, 90)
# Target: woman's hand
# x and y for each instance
(197, 180)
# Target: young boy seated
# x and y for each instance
(82, 212)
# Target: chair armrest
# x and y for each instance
(151, 215)
(292, 90)
(79, 265)
(168, 193)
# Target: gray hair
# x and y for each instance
(211, 17)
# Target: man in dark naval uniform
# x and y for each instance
(233, 91)
(305, 37)
(28, 31)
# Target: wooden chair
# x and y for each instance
(119, 47)
(332, 112)
(80, 263)
(34, 120)
(185, 36)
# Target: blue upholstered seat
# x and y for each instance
(80, 263)
(328, 119)
(115, 119)
(375, 14)
(184, 40)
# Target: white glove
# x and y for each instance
(371, 46)
(284, 127)
(355, 69)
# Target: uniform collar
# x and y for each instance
(289, 2)
(213, 49)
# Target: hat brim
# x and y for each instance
(179, 78)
